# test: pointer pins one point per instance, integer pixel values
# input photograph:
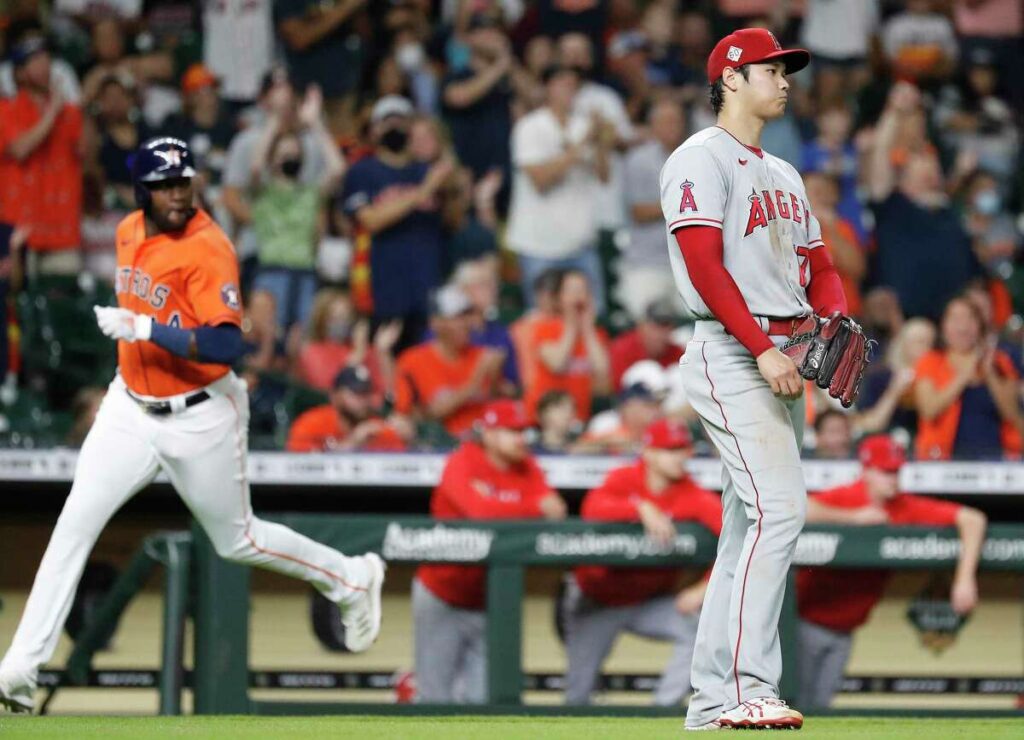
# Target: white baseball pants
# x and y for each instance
(202, 449)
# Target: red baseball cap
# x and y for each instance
(666, 434)
(883, 452)
(505, 414)
(197, 77)
(753, 46)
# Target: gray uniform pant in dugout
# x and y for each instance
(821, 656)
(764, 501)
(451, 650)
(591, 630)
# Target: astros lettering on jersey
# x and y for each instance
(759, 202)
(185, 280)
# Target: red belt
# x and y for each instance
(783, 327)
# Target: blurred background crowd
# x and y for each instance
(437, 203)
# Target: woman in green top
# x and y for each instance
(288, 213)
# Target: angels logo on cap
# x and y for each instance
(753, 46)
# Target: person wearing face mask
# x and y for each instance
(397, 201)
(287, 212)
(277, 111)
(336, 338)
(991, 228)
(478, 100)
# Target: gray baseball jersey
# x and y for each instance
(768, 233)
(760, 204)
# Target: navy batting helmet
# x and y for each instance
(163, 158)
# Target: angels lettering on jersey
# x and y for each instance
(764, 207)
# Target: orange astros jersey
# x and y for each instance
(186, 280)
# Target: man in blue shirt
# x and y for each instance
(397, 201)
(923, 252)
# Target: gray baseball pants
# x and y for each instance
(592, 628)
(450, 651)
(737, 655)
(821, 656)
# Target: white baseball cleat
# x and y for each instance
(766, 713)
(706, 727)
(361, 618)
(17, 693)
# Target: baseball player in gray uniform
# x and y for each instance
(747, 259)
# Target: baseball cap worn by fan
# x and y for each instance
(505, 414)
(662, 311)
(355, 378)
(639, 391)
(882, 452)
(391, 105)
(26, 47)
(666, 434)
(197, 77)
(753, 46)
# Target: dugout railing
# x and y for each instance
(221, 656)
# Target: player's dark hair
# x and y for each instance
(716, 91)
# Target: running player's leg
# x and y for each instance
(437, 646)
(115, 462)
(658, 619)
(590, 632)
(712, 659)
(203, 450)
(756, 439)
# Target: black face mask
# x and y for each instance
(394, 140)
(290, 168)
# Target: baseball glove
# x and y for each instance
(833, 352)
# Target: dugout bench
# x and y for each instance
(221, 671)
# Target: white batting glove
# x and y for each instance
(120, 323)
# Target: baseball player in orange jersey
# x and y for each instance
(174, 406)
(748, 260)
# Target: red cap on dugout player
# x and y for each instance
(666, 434)
(883, 452)
(753, 46)
(505, 414)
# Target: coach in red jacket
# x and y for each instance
(490, 477)
(833, 603)
(602, 602)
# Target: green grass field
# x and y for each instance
(471, 728)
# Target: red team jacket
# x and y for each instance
(472, 487)
(842, 600)
(615, 501)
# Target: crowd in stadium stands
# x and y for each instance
(437, 203)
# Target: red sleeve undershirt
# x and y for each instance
(702, 251)
(825, 293)
(701, 247)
